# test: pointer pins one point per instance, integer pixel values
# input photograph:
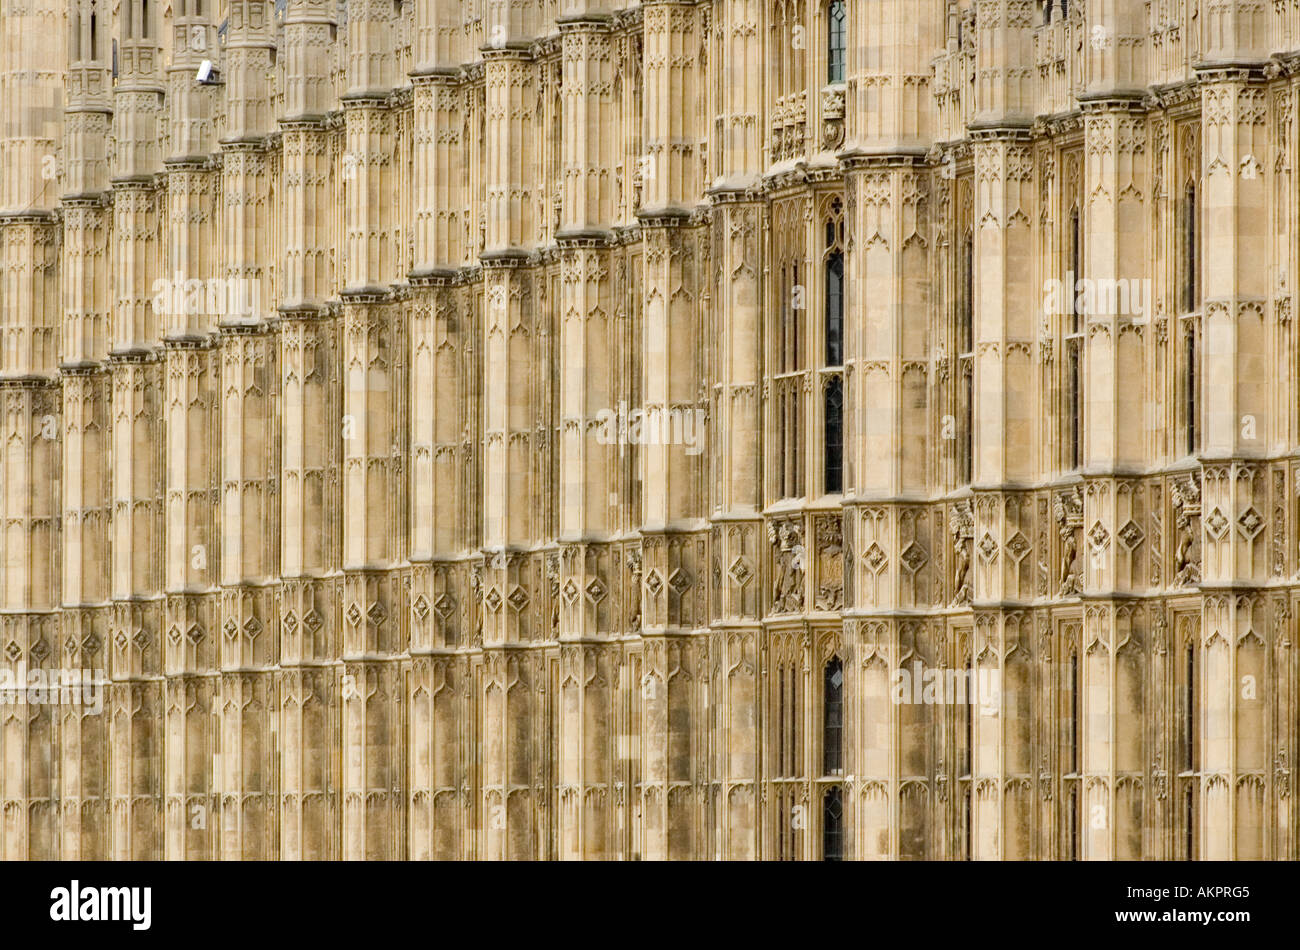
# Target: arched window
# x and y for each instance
(1074, 822)
(832, 825)
(1189, 710)
(1191, 383)
(970, 718)
(833, 461)
(966, 361)
(835, 309)
(1189, 248)
(1191, 302)
(1073, 409)
(836, 41)
(833, 718)
(968, 821)
(1074, 713)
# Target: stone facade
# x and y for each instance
(551, 428)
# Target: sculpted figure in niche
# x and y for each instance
(1187, 509)
(787, 567)
(1069, 521)
(962, 528)
(634, 590)
(553, 576)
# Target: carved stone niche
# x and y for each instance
(788, 559)
(1068, 508)
(1186, 495)
(961, 532)
(832, 117)
(830, 563)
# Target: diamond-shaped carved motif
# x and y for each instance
(40, 650)
(252, 627)
(988, 547)
(174, 635)
(875, 557)
(493, 599)
(90, 644)
(444, 605)
(595, 590)
(13, 651)
(739, 571)
(420, 607)
(914, 557)
(1018, 546)
(518, 598)
(1250, 524)
(1131, 535)
(377, 613)
(679, 581)
(654, 583)
(290, 624)
(231, 628)
(120, 639)
(1098, 537)
(354, 615)
(312, 621)
(141, 639)
(194, 634)
(1216, 524)
(570, 591)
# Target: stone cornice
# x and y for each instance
(584, 237)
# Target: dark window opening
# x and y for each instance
(832, 826)
(1191, 404)
(970, 719)
(1074, 405)
(833, 718)
(1189, 709)
(1190, 241)
(1074, 714)
(967, 823)
(835, 310)
(834, 447)
(837, 42)
(1075, 849)
(966, 362)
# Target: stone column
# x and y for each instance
(441, 420)
(735, 439)
(513, 482)
(84, 753)
(31, 84)
(589, 440)
(191, 550)
(674, 565)
(310, 438)
(1006, 320)
(247, 776)
(895, 548)
(1117, 323)
(1236, 401)
(373, 366)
